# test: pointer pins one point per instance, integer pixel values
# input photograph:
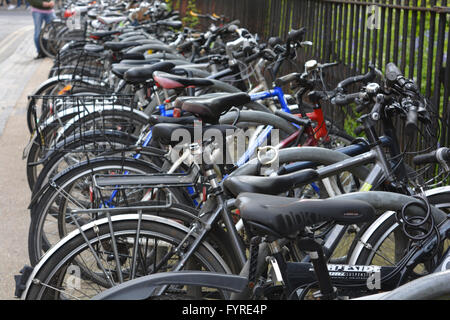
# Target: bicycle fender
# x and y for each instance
(144, 287)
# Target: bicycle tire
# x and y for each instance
(56, 263)
(48, 201)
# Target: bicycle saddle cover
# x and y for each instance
(170, 23)
(117, 46)
(171, 81)
(283, 217)
(155, 119)
(94, 48)
(167, 133)
(111, 20)
(142, 74)
(119, 69)
(210, 108)
(268, 185)
(101, 34)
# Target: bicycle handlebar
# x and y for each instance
(411, 118)
(369, 76)
(436, 156)
(345, 99)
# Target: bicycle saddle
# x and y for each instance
(94, 48)
(119, 69)
(171, 81)
(111, 20)
(283, 217)
(117, 46)
(154, 60)
(209, 109)
(166, 133)
(142, 74)
(269, 185)
(102, 34)
(170, 23)
(178, 103)
(155, 119)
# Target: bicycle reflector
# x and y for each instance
(64, 90)
(68, 13)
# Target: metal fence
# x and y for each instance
(414, 34)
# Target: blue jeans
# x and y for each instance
(38, 18)
(19, 3)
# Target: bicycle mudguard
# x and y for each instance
(144, 287)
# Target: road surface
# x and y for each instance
(20, 74)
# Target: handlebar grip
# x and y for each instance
(296, 35)
(425, 158)
(236, 22)
(411, 121)
(441, 154)
(343, 100)
(239, 54)
(247, 48)
(369, 76)
(273, 41)
(286, 79)
(392, 72)
(232, 28)
(185, 45)
(293, 119)
(254, 56)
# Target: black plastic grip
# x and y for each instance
(425, 158)
(296, 35)
(432, 157)
(287, 79)
(411, 120)
(345, 99)
(293, 119)
(186, 45)
(369, 76)
(392, 72)
(273, 41)
(254, 56)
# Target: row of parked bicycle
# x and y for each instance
(168, 163)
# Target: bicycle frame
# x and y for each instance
(356, 274)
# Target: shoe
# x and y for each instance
(11, 7)
(40, 55)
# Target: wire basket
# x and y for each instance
(75, 123)
(84, 68)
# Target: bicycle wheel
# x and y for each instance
(77, 149)
(48, 40)
(83, 265)
(125, 121)
(73, 190)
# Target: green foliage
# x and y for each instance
(189, 20)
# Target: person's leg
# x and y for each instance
(37, 18)
(49, 17)
(19, 3)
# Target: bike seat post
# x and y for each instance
(315, 251)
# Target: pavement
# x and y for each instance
(20, 75)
